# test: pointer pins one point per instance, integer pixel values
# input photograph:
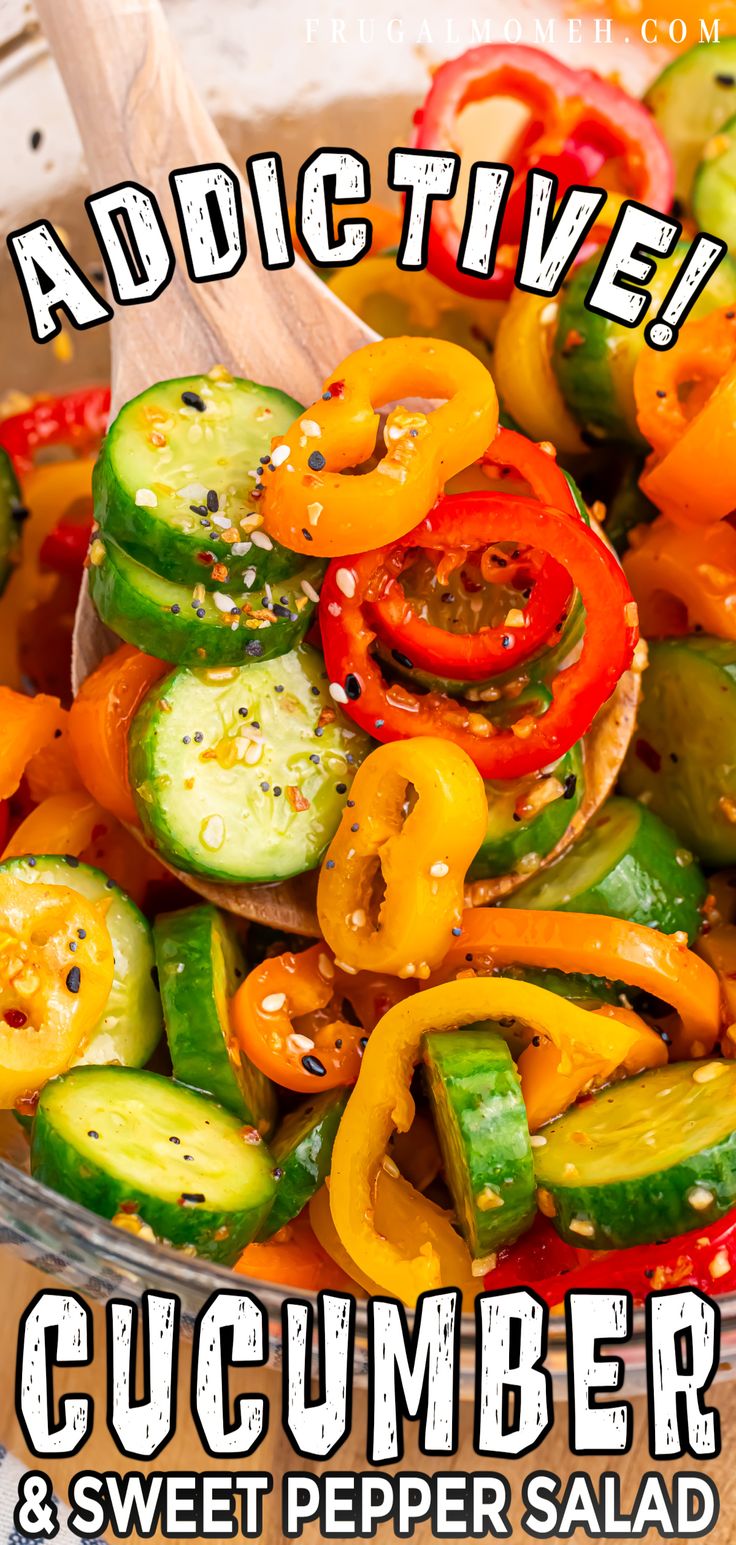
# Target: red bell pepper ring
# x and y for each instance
(477, 656)
(394, 712)
(580, 124)
(65, 548)
(704, 1258)
(78, 420)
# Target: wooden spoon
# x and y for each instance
(139, 117)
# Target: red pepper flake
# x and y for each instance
(327, 716)
(573, 341)
(220, 572)
(15, 1018)
(296, 798)
(336, 388)
(648, 755)
(206, 559)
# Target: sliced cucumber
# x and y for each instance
(233, 773)
(626, 864)
(165, 456)
(302, 1154)
(714, 188)
(682, 759)
(512, 837)
(643, 1160)
(481, 1124)
(220, 628)
(690, 100)
(594, 358)
(11, 517)
(130, 1028)
(199, 967)
(140, 1147)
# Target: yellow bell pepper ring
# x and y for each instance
(50, 999)
(522, 370)
(381, 1102)
(391, 888)
(312, 506)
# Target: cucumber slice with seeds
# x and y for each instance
(513, 839)
(242, 774)
(171, 447)
(136, 1145)
(690, 100)
(626, 864)
(302, 1154)
(226, 627)
(199, 967)
(482, 1129)
(714, 188)
(643, 1160)
(130, 1028)
(682, 759)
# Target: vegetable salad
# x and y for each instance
(450, 698)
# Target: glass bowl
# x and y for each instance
(313, 90)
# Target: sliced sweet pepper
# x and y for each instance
(295, 1258)
(658, 963)
(63, 823)
(683, 578)
(100, 719)
(382, 1103)
(391, 887)
(29, 723)
(686, 408)
(312, 505)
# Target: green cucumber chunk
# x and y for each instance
(690, 100)
(130, 1028)
(627, 863)
(223, 627)
(714, 188)
(513, 840)
(12, 514)
(479, 1113)
(628, 508)
(302, 1154)
(594, 358)
(645, 1159)
(152, 497)
(233, 774)
(200, 965)
(124, 1142)
(682, 759)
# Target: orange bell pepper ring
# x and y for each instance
(683, 578)
(391, 887)
(686, 409)
(63, 823)
(287, 1018)
(658, 963)
(29, 723)
(49, 1000)
(312, 506)
(407, 1265)
(99, 721)
(294, 1258)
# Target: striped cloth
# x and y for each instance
(11, 1473)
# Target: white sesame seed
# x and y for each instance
(146, 499)
(357, 918)
(582, 1227)
(337, 692)
(326, 967)
(300, 1042)
(239, 549)
(221, 521)
(439, 870)
(313, 512)
(310, 592)
(708, 1071)
(279, 455)
(391, 1167)
(224, 603)
(699, 1198)
(345, 581)
(249, 578)
(537, 1141)
(261, 540)
(483, 1264)
(310, 428)
(273, 1002)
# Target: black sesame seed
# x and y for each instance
(316, 461)
(175, 1140)
(456, 932)
(94, 1135)
(282, 611)
(506, 641)
(352, 687)
(327, 396)
(722, 79)
(254, 648)
(192, 1197)
(351, 804)
(402, 659)
(341, 788)
(37, 136)
(243, 712)
(661, 393)
(176, 609)
(314, 758)
(198, 509)
(264, 460)
(379, 723)
(186, 740)
(313, 1065)
(72, 945)
(200, 611)
(307, 535)
(81, 933)
(277, 789)
(571, 784)
(70, 859)
(213, 502)
(198, 737)
(278, 688)
(193, 400)
(31, 863)
(277, 1173)
(319, 732)
(73, 979)
(329, 863)
(189, 1158)
(265, 787)
(355, 826)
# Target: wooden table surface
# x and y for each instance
(20, 1282)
